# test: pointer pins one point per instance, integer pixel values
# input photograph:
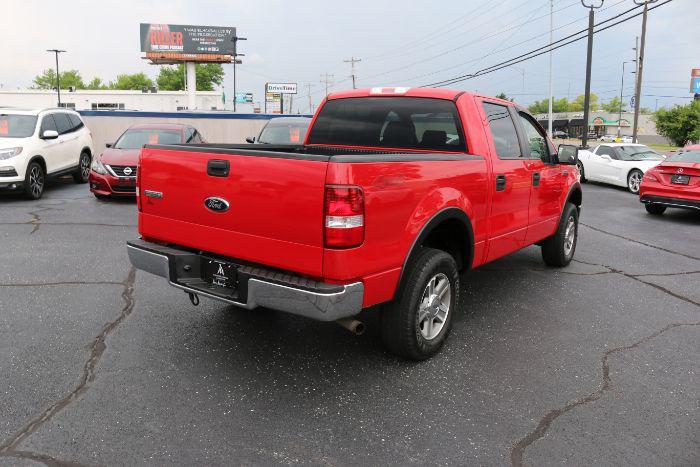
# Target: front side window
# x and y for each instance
(137, 138)
(17, 126)
(76, 121)
(47, 123)
(536, 142)
(390, 122)
(606, 151)
(63, 123)
(505, 137)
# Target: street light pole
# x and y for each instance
(235, 58)
(551, 66)
(592, 5)
(622, 86)
(58, 75)
(640, 65)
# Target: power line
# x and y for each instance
(352, 62)
(541, 50)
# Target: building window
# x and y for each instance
(67, 105)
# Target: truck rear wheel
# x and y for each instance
(416, 324)
(558, 250)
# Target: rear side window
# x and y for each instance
(63, 123)
(75, 121)
(390, 122)
(505, 137)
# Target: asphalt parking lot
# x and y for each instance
(593, 364)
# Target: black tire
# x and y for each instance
(556, 250)
(579, 164)
(655, 209)
(402, 333)
(633, 186)
(82, 174)
(34, 181)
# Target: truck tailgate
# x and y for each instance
(275, 214)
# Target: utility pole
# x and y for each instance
(352, 62)
(622, 86)
(58, 75)
(551, 66)
(235, 40)
(326, 79)
(592, 5)
(308, 90)
(640, 67)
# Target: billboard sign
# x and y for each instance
(187, 39)
(244, 98)
(281, 88)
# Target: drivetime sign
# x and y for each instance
(281, 88)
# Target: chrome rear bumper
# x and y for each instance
(258, 287)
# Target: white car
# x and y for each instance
(618, 164)
(36, 144)
(608, 138)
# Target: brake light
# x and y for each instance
(344, 216)
(138, 185)
(649, 175)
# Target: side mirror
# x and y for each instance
(568, 154)
(50, 134)
(109, 145)
(250, 139)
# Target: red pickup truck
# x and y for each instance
(394, 192)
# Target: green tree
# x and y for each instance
(503, 96)
(613, 105)
(96, 83)
(134, 81)
(577, 104)
(542, 107)
(173, 78)
(680, 124)
(47, 80)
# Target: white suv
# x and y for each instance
(35, 144)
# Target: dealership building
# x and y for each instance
(150, 100)
(604, 123)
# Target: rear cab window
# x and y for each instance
(416, 123)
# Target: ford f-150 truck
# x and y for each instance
(394, 192)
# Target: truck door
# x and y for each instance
(546, 178)
(508, 218)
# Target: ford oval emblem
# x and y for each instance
(216, 204)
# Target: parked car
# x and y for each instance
(113, 173)
(675, 183)
(608, 138)
(618, 164)
(36, 144)
(624, 139)
(380, 206)
(282, 130)
(560, 134)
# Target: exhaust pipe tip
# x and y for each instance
(354, 326)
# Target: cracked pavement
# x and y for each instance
(592, 364)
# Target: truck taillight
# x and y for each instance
(344, 217)
(138, 187)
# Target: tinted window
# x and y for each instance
(284, 132)
(503, 131)
(189, 135)
(47, 123)
(196, 138)
(606, 151)
(536, 142)
(692, 156)
(135, 139)
(390, 122)
(17, 126)
(63, 123)
(76, 121)
(638, 153)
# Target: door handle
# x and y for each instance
(536, 179)
(218, 168)
(500, 182)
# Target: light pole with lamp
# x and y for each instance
(58, 76)
(622, 86)
(591, 5)
(640, 65)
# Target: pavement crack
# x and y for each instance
(43, 458)
(656, 247)
(518, 449)
(97, 349)
(48, 284)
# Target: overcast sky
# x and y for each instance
(400, 43)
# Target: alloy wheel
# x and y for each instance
(85, 166)
(634, 181)
(36, 181)
(434, 306)
(569, 236)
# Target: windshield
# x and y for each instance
(135, 139)
(638, 153)
(685, 156)
(17, 126)
(284, 133)
(389, 122)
